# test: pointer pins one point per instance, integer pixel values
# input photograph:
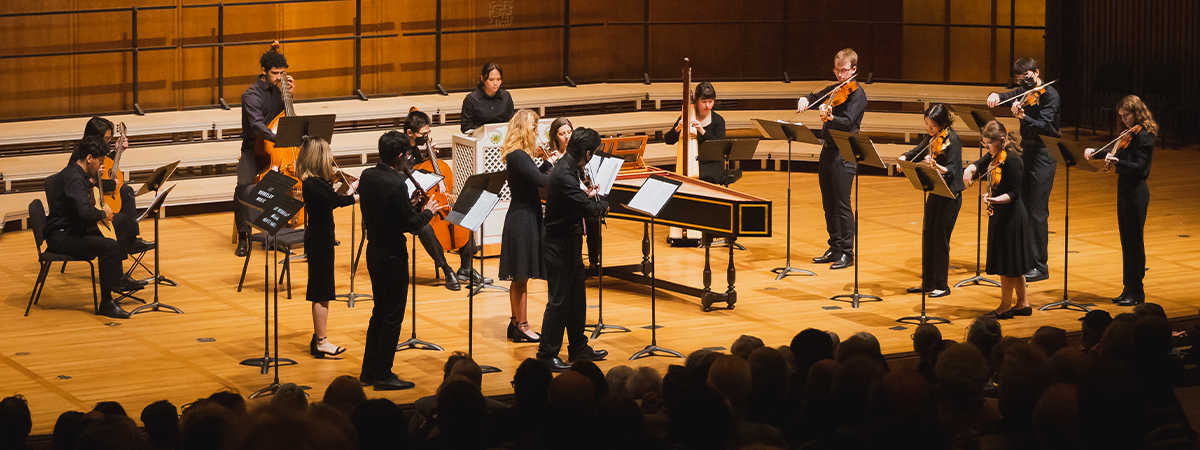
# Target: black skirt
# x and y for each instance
(521, 243)
(1010, 241)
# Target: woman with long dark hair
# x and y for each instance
(943, 150)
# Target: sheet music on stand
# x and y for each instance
(926, 178)
(480, 194)
(857, 147)
(655, 192)
(425, 179)
(293, 129)
(273, 186)
(604, 168)
(781, 130)
(157, 203)
(277, 213)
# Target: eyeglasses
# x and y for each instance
(842, 71)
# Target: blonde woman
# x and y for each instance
(524, 228)
(315, 166)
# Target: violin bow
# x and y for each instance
(831, 91)
(1023, 94)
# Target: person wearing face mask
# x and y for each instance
(1038, 117)
(488, 103)
(836, 175)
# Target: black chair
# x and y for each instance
(285, 240)
(37, 222)
(1110, 82)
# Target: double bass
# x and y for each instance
(451, 236)
(268, 157)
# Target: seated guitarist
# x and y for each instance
(124, 221)
(261, 102)
(416, 128)
(71, 227)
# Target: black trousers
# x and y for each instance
(836, 177)
(1036, 184)
(125, 222)
(91, 246)
(566, 305)
(593, 226)
(1133, 197)
(245, 177)
(433, 247)
(389, 285)
(941, 214)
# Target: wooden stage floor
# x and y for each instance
(63, 358)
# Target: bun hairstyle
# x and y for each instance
(416, 120)
(996, 131)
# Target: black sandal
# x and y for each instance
(316, 352)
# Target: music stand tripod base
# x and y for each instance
(598, 328)
(654, 350)
(856, 298)
(1065, 304)
(782, 272)
(977, 280)
(923, 319)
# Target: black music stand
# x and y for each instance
(153, 210)
(478, 197)
(976, 119)
(605, 181)
(725, 150)
(157, 179)
(412, 342)
(278, 206)
(293, 129)
(1071, 156)
(927, 180)
(861, 150)
(352, 296)
(780, 130)
(650, 198)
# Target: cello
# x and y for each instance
(451, 236)
(268, 157)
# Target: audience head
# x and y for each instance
(1022, 377)
(622, 420)
(644, 381)
(617, 377)
(461, 413)
(924, 338)
(161, 421)
(1056, 418)
(15, 421)
(461, 363)
(984, 334)
(700, 419)
(592, 372)
(573, 386)
(275, 428)
(730, 377)
(862, 344)
(852, 386)
(1149, 309)
(110, 432)
(66, 430)
(1151, 339)
(768, 371)
(344, 393)
(745, 345)
(291, 398)
(531, 383)
(231, 400)
(110, 409)
(818, 386)
(378, 424)
(208, 425)
(810, 346)
(1095, 322)
(1068, 365)
(1049, 339)
(962, 373)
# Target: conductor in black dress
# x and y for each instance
(566, 207)
(488, 103)
(388, 213)
(1038, 118)
(835, 174)
(1133, 195)
(315, 167)
(943, 150)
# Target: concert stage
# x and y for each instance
(62, 357)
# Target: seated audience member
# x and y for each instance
(623, 423)
(925, 339)
(110, 432)
(964, 413)
(745, 345)
(768, 385)
(902, 403)
(161, 422)
(278, 427)
(531, 385)
(699, 418)
(1094, 324)
(461, 416)
(345, 393)
(375, 422)
(1049, 339)
(646, 388)
(616, 379)
(807, 347)
(66, 430)
(730, 377)
(15, 422)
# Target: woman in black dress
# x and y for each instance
(944, 153)
(488, 103)
(315, 166)
(706, 125)
(1132, 162)
(1010, 237)
(524, 228)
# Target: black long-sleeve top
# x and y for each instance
(1133, 160)
(72, 206)
(261, 103)
(1040, 119)
(1011, 173)
(714, 130)
(479, 109)
(566, 203)
(319, 202)
(387, 212)
(525, 178)
(846, 117)
(950, 158)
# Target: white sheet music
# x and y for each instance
(652, 196)
(478, 213)
(604, 172)
(424, 178)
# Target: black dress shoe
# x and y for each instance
(517, 335)
(936, 293)
(109, 308)
(1132, 300)
(128, 279)
(1026, 311)
(1036, 275)
(845, 261)
(556, 364)
(588, 354)
(917, 290)
(1119, 298)
(140, 245)
(316, 352)
(452, 284)
(393, 383)
(243, 247)
(828, 257)
(478, 279)
(128, 285)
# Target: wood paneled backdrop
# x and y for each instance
(725, 39)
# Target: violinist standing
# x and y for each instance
(387, 214)
(1131, 157)
(942, 150)
(834, 174)
(1039, 115)
(317, 178)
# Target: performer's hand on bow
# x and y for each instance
(993, 99)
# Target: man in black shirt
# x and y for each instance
(261, 103)
(387, 214)
(566, 207)
(124, 221)
(834, 174)
(1037, 119)
(71, 224)
(488, 103)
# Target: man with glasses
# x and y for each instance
(1038, 117)
(835, 174)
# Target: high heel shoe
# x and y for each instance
(321, 354)
(518, 335)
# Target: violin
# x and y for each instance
(937, 144)
(994, 175)
(838, 96)
(1122, 142)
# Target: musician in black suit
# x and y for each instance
(488, 103)
(1039, 116)
(261, 103)
(71, 226)
(834, 174)
(124, 221)
(566, 207)
(387, 214)
(1133, 196)
(943, 150)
